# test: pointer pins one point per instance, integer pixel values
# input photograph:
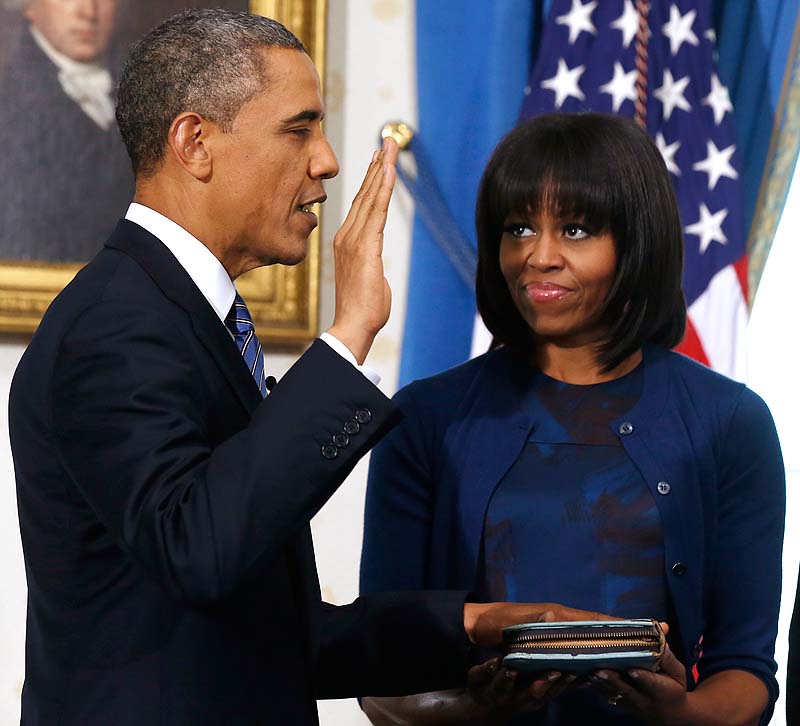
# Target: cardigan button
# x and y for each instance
(329, 451)
(663, 487)
(679, 569)
(626, 428)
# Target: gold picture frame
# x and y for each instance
(284, 301)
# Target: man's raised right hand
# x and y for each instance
(363, 296)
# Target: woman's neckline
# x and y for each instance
(628, 366)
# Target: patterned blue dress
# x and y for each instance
(574, 522)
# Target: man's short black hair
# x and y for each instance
(208, 61)
(604, 171)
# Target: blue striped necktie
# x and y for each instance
(241, 325)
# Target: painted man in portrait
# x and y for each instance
(65, 177)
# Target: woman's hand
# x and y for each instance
(494, 694)
(657, 698)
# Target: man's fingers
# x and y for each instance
(370, 218)
(391, 150)
(376, 221)
(374, 171)
(373, 180)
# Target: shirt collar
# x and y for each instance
(64, 62)
(199, 262)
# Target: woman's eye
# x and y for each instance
(575, 231)
(516, 229)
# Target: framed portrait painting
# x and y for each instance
(65, 178)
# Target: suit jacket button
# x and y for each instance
(363, 416)
(351, 427)
(663, 487)
(341, 440)
(678, 569)
(329, 451)
(626, 428)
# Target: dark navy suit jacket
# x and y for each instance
(164, 510)
(711, 439)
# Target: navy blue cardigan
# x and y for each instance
(711, 439)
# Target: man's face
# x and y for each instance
(80, 29)
(270, 167)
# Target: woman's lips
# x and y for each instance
(546, 291)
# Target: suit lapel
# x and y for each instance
(160, 264)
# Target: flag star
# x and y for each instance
(621, 87)
(709, 228)
(671, 94)
(565, 82)
(679, 29)
(579, 18)
(628, 23)
(717, 164)
(668, 152)
(718, 99)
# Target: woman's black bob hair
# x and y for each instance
(605, 172)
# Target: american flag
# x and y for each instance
(655, 60)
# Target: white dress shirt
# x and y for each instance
(210, 276)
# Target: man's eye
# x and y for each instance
(517, 229)
(575, 231)
(300, 132)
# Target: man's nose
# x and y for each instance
(323, 164)
(87, 8)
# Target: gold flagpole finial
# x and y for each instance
(400, 131)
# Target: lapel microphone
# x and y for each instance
(270, 381)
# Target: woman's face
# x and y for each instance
(559, 273)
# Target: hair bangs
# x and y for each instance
(566, 181)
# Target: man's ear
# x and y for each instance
(187, 140)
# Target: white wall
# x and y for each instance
(370, 79)
(773, 347)
(12, 572)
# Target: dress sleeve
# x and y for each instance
(399, 503)
(745, 584)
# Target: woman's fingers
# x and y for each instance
(619, 692)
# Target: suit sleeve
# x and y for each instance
(391, 644)
(131, 426)
(742, 619)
